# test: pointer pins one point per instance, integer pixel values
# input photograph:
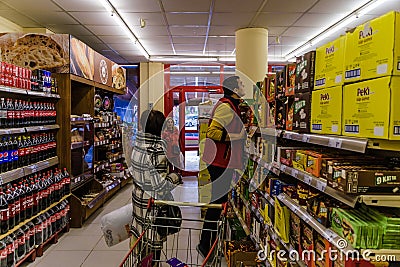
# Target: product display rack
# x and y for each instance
(78, 99)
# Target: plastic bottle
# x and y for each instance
(11, 208)
(10, 250)
(3, 213)
(35, 197)
(67, 178)
(29, 201)
(3, 254)
(31, 233)
(38, 230)
(20, 235)
(17, 204)
(22, 202)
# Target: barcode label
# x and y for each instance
(317, 127)
(320, 82)
(352, 128)
(353, 73)
(396, 130)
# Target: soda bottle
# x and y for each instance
(17, 204)
(1, 155)
(15, 155)
(22, 202)
(10, 153)
(21, 152)
(11, 209)
(4, 212)
(67, 178)
(35, 197)
(38, 230)
(20, 235)
(27, 147)
(10, 113)
(50, 182)
(3, 254)
(17, 114)
(4, 166)
(39, 194)
(44, 194)
(31, 233)
(10, 250)
(29, 201)
(3, 113)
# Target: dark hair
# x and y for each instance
(152, 122)
(230, 84)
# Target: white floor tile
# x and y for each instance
(71, 242)
(71, 258)
(102, 246)
(92, 229)
(104, 258)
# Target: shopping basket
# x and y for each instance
(179, 249)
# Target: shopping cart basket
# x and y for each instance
(179, 249)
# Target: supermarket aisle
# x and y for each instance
(86, 247)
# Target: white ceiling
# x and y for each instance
(185, 27)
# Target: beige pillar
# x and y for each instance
(251, 56)
(151, 90)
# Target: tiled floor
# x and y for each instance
(86, 247)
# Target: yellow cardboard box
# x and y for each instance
(373, 49)
(371, 108)
(326, 111)
(203, 126)
(329, 64)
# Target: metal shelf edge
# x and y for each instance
(245, 228)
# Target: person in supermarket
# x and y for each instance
(149, 167)
(223, 152)
(171, 136)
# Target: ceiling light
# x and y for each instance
(121, 22)
(340, 24)
(183, 59)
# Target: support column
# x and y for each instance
(251, 56)
(151, 88)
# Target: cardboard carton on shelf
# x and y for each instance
(290, 79)
(373, 49)
(305, 71)
(370, 108)
(302, 113)
(326, 111)
(329, 64)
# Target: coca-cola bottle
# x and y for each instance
(44, 194)
(10, 250)
(17, 204)
(4, 212)
(1, 154)
(3, 113)
(50, 182)
(31, 233)
(17, 114)
(3, 254)
(28, 149)
(20, 235)
(29, 201)
(22, 201)
(35, 197)
(38, 230)
(21, 152)
(10, 113)
(11, 208)
(67, 178)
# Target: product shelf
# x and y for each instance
(245, 228)
(101, 125)
(26, 92)
(80, 180)
(27, 170)
(29, 129)
(101, 143)
(33, 217)
(76, 145)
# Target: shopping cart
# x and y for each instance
(179, 249)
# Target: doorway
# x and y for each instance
(182, 105)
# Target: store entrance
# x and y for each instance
(182, 105)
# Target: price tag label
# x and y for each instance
(329, 233)
(34, 168)
(295, 172)
(335, 142)
(283, 168)
(321, 185)
(307, 179)
(306, 138)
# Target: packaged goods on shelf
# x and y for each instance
(294, 231)
(372, 49)
(271, 109)
(280, 113)
(280, 84)
(239, 251)
(307, 237)
(270, 82)
(370, 109)
(300, 160)
(302, 113)
(321, 247)
(282, 221)
(326, 111)
(289, 113)
(290, 79)
(329, 64)
(305, 69)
